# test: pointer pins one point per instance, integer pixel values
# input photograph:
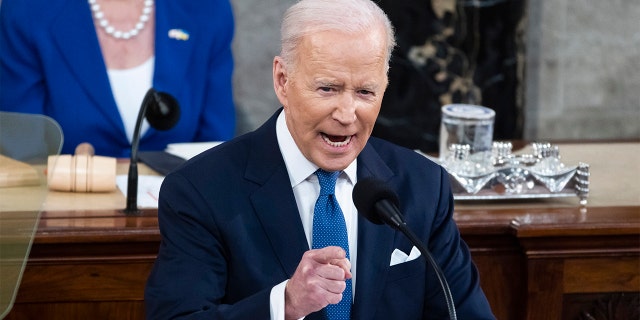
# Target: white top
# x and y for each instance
(129, 87)
(306, 190)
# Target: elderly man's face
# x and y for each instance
(333, 96)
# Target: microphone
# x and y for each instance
(378, 203)
(162, 112)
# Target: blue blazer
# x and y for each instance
(231, 231)
(51, 63)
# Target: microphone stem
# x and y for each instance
(135, 139)
(441, 277)
(132, 177)
(132, 189)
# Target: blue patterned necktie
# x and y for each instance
(329, 229)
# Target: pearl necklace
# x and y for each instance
(110, 30)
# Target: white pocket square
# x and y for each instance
(398, 257)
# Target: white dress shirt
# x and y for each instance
(306, 190)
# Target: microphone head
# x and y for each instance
(367, 192)
(163, 110)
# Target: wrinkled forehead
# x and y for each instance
(368, 46)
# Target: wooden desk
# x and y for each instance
(538, 259)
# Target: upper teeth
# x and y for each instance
(336, 144)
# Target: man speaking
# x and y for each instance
(264, 226)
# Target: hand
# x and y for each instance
(318, 281)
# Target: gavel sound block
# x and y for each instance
(81, 172)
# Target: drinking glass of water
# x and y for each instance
(466, 124)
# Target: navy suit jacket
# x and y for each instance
(51, 63)
(231, 231)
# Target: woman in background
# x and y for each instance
(89, 64)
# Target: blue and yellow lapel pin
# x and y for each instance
(178, 34)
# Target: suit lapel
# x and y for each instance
(76, 39)
(172, 54)
(277, 211)
(375, 244)
(273, 201)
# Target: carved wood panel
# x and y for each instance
(603, 306)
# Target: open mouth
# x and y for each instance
(336, 141)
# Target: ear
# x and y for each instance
(280, 78)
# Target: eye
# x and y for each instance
(366, 92)
(325, 89)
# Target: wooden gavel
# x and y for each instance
(81, 172)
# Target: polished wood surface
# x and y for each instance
(538, 259)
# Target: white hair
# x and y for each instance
(312, 16)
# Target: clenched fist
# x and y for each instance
(318, 281)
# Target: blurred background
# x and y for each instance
(552, 70)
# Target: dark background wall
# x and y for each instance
(452, 52)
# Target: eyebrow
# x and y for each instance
(338, 84)
(328, 83)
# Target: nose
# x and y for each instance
(345, 112)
